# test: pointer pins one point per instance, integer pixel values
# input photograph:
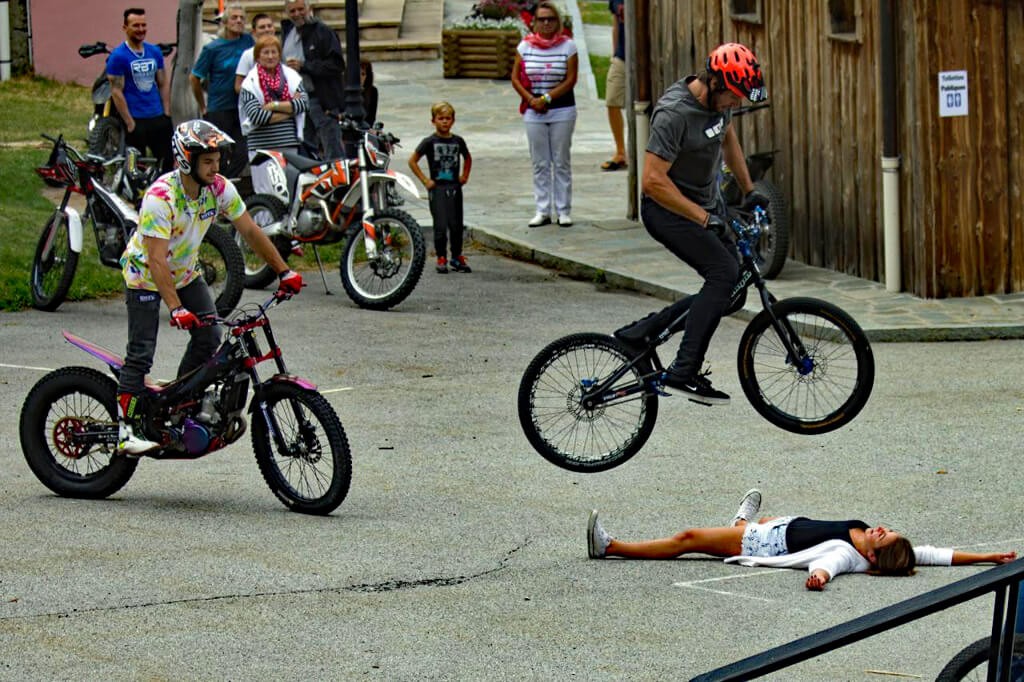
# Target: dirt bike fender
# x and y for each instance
(74, 229)
(304, 384)
(406, 182)
(355, 192)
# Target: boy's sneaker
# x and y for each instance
(696, 387)
(749, 506)
(459, 264)
(597, 538)
(442, 266)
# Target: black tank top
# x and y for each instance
(803, 532)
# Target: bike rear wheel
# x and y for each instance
(303, 454)
(54, 264)
(265, 210)
(61, 406)
(972, 662)
(554, 419)
(221, 264)
(385, 280)
(815, 394)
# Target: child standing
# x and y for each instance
(443, 151)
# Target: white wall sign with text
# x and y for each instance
(952, 93)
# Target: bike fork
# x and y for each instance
(369, 231)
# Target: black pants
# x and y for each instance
(446, 211)
(703, 251)
(144, 322)
(153, 134)
(227, 121)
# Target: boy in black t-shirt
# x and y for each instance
(443, 151)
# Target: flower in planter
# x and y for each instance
(498, 9)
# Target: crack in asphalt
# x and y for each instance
(379, 587)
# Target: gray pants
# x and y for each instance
(144, 322)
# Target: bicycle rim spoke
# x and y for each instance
(76, 408)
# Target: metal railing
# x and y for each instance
(1003, 580)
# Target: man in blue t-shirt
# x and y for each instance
(141, 89)
(216, 67)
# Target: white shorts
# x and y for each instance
(766, 539)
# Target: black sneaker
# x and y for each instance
(697, 388)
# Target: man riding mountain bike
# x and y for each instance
(161, 263)
(691, 132)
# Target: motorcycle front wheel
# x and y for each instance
(54, 264)
(265, 210)
(386, 279)
(301, 448)
(61, 407)
(222, 266)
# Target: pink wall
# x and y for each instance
(60, 26)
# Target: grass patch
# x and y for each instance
(595, 12)
(599, 65)
(39, 105)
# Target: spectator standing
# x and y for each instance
(262, 25)
(544, 74)
(369, 91)
(273, 102)
(216, 68)
(443, 151)
(615, 87)
(312, 48)
(141, 90)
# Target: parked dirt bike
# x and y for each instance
(588, 402)
(317, 202)
(774, 243)
(106, 129)
(113, 221)
(69, 421)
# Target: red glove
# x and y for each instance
(291, 282)
(183, 318)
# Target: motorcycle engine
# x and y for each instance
(311, 220)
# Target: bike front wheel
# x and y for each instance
(54, 264)
(62, 424)
(557, 424)
(972, 662)
(222, 266)
(386, 279)
(301, 449)
(823, 388)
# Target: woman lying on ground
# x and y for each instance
(825, 548)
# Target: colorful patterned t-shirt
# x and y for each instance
(168, 213)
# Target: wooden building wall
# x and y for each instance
(962, 180)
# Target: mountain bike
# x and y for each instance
(588, 402)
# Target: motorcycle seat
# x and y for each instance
(300, 162)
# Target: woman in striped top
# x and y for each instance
(544, 75)
(272, 102)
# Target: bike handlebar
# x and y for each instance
(275, 298)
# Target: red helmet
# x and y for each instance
(737, 70)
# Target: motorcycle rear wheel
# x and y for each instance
(64, 403)
(54, 264)
(265, 210)
(105, 139)
(310, 470)
(387, 279)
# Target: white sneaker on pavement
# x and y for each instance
(597, 538)
(130, 444)
(539, 219)
(749, 506)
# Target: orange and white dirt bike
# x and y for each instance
(308, 201)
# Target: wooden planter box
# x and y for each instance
(472, 53)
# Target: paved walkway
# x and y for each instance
(603, 244)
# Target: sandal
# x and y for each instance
(612, 165)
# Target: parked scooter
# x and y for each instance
(774, 244)
(113, 221)
(323, 202)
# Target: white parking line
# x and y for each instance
(336, 390)
(698, 584)
(38, 369)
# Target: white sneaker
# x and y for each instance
(597, 538)
(130, 444)
(749, 506)
(539, 219)
(565, 220)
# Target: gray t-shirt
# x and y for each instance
(690, 136)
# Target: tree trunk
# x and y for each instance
(183, 104)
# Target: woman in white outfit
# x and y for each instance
(544, 74)
(825, 548)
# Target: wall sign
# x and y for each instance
(952, 93)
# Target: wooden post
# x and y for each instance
(183, 104)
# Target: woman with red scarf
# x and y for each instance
(272, 103)
(544, 75)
